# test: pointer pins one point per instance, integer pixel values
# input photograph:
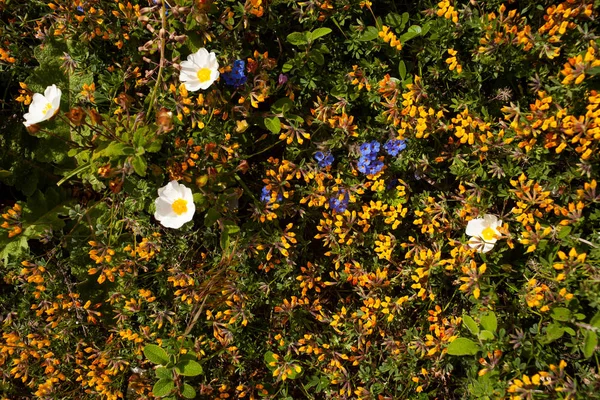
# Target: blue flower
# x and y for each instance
(237, 76)
(394, 146)
(324, 159)
(339, 203)
(368, 163)
(370, 148)
(265, 195)
(80, 9)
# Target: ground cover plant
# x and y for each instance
(319, 199)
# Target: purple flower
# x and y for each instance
(368, 163)
(339, 203)
(282, 79)
(324, 159)
(394, 146)
(265, 195)
(236, 77)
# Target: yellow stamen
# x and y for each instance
(47, 108)
(179, 206)
(203, 74)
(488, 234)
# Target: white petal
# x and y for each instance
(487, 247)
(200, 58)
(169, 192)
(172, 222)
(163, 208)
(192, 86)
(475, 227)
(490, 219)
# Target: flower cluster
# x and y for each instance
(237, 76)
(369, 163)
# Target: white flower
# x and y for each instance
(200, 70)
(174, 205)
(484, 232)
(43, 106)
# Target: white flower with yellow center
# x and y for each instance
(200, 70)
(484, 232)
(43, 106)
(174, 205)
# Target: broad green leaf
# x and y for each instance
(164, 373)
(316, 56)
(489, 322)
(485, 335)
(188, 368)
(139, 165)
(471, 324)
(589, 343)
(297, 38)
(564, 232)
(595, 322)
(188, 391)
(282, 105)
(156, 354)
(270, 358)
(402, 70)
(163, 387)
(294, 371)
(319, 32)
(394, 20)
(462, 347)
(273, 124)
(561, 314)
(553, 332)
(212, 215)
(369, 34)
(113, 149)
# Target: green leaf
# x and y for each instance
(212, 215)
(287, 66)
(553, 332)
(593, 71)
(164, 373)
(297, 38)
(471, 324)
(589, 343)
(273, 124)
(485, 335)
(489, 322)
(595, 322)
(294, 371)
(561, 314)
(270, 358)
(316, 56)
(282, 105)
(188, 368)
(413, 31)
(112, 150)
(394, 20)
(163, 387)
(564, 232)
(319, 32)
(188, 391)
(139, 165)
(402, 70)
(369, 34)
(462, 347)
(156, 354)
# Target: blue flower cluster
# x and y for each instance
(324, 159)
(394, 146)
(265, 195)
(338, 205)
(237, 76)
(368, 163)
